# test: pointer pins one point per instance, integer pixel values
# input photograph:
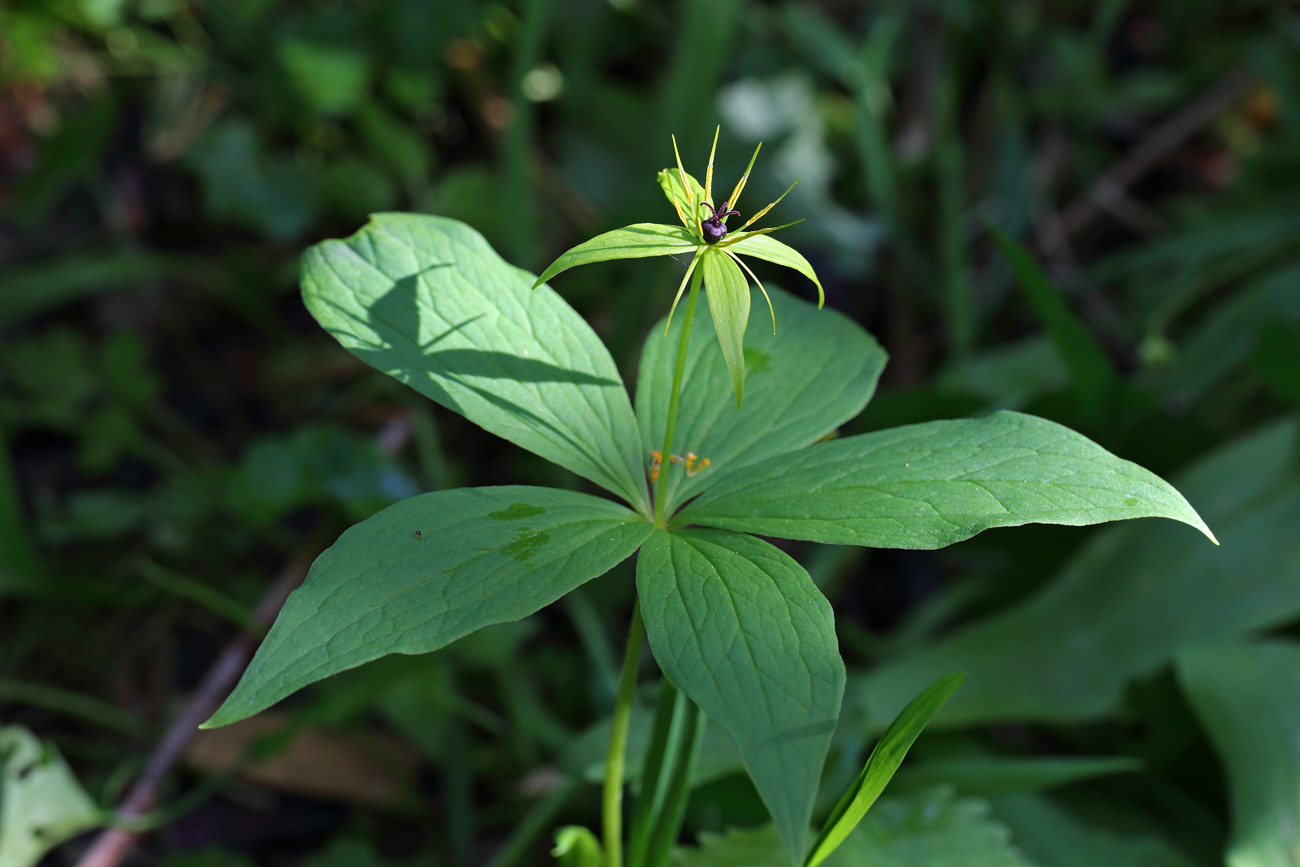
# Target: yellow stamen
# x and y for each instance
(677, 206)
(741, 263)
(690, 194)
(768, 208)
(740, 236)
(740, 185)
(656, 459)
(708, 173)
(697, 469)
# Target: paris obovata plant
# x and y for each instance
(729, 441)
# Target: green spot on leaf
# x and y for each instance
(525, 545)
(517, 512)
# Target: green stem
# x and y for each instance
(665, 464)
(612, 804)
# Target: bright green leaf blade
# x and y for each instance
(930, 829)
(884, 760)
(1247, 696)
(426, 571)
(426, 300)
(769, 249)
(1125, 603)
(739, 627)
(933, 484)
(816, 373)
(728, 294)
(41, 802)
(1089, 365)
(637, 241)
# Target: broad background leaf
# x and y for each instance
(426, 571)
(817, 372)
(930, 829)
(1052, 836)
(1247, 696)
(637, 241)
(1125, 603)
(988, 775)
(427, 301)
(738, 626)
(933, 484)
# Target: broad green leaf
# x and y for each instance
(930, 485)
(637, 241)
(769, 249)
(740, 628)
(41, 802)
(1247, 696)
(427, 301)
(1090, 367)
(728, 294)
(817, 372)
(930, 829)
(989, 776)
(881, 765)
(426, 571)
(1125, 603)
(1053, 837)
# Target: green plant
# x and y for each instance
(735, 623)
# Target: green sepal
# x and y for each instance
(637, 241)
(728, 294)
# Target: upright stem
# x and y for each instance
(612, 803)
(615, 759)
(665, 464)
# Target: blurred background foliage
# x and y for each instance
(176, 432)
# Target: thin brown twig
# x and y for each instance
(112, 845)
(1110, 190)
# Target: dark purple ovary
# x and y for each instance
(713, 228)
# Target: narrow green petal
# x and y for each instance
(759, 284)
(682, 288)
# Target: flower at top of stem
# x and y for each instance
(714, 248)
